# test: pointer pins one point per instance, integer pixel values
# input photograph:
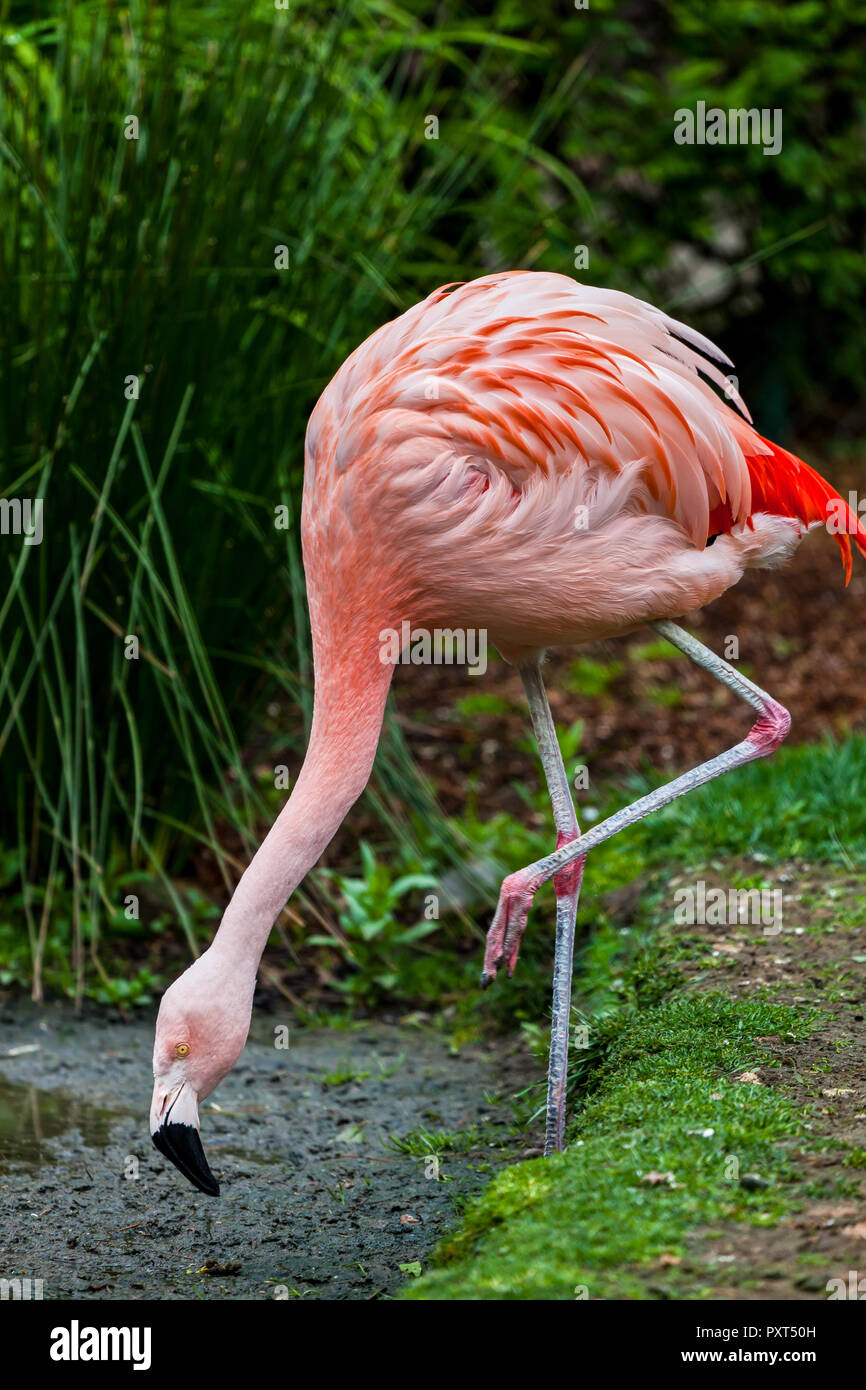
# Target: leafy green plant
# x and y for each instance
(667, 696)
(594, 678)
(484, 702)
(137, 990)
(372, 939)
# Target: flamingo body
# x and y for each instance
(542, 459)
(527, 456)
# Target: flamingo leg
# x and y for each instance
(519, 889)
(567, 886)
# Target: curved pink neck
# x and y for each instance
(347, 719)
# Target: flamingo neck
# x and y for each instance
(347, 719)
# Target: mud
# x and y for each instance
(314, 1202)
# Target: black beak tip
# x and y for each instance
(159, 1141)
(182, 1145)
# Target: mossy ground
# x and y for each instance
(717, 1144)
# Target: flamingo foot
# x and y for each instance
(509, 923)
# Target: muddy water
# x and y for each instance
(29, 1117)
(314, 1203)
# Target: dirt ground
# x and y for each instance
(313, 1203)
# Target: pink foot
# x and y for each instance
(515, 900)
(509, 924)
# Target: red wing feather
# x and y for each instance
(783, 485)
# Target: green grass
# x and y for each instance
(586, 1222)
(423, 1143)
(808, 800)
(343, 1074)
(783, 808)
(661, 1068)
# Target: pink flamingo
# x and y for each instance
(533, 458)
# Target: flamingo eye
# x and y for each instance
(181, 1049)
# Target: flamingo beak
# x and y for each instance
(174, 1131)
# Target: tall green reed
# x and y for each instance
(157, 370)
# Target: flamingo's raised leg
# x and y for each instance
(503, 943)
(764, 737)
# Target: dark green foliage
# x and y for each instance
(765, 252)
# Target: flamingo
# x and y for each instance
(541, 461)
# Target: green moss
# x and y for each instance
(657, 1150)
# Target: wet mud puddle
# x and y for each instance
(322, 1153)
(30, 1118)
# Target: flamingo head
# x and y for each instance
(201, 1029)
